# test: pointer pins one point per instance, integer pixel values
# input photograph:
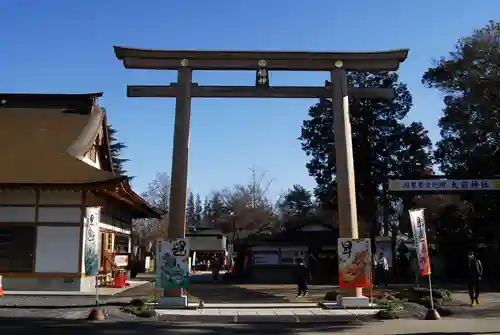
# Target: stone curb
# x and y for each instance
(252, 319)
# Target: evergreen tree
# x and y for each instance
(383, 146)
(217, 209)
(116, 147)
(198, 209)
(191, 221)
(469, 78)
(206, 212)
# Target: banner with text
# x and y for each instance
(172, 263)
(355, 263)
(444, 185)
(418, 227)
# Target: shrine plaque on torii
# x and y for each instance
(337, 63)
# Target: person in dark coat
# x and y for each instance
(475, 273)
(302, 275)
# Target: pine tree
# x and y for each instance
(206, 212)
(115, 148)
(198, 209)
(191, 213)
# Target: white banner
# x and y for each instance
(444, 185)
(417, 220)
(92, 243)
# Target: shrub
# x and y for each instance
(331, 296)
(139, 302)
(387, 315)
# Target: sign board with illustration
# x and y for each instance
(355, 263)
(172, 259)
(91, 241)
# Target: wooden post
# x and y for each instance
(346, 188)
(179, 175)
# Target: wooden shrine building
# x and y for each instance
(64, 213)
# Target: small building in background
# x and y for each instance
(273, 256)
(64, 213)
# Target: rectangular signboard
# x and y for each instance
(444, 185)
(355, 262)
(172, 263)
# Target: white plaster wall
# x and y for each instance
(17, 214)
(59, 214)
(60, 198)
(17, 197)
(57, 249)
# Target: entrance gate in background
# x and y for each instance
(184, 62)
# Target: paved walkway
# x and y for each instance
(266, 311)
(75, 327)
(445, 326)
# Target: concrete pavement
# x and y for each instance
(63, 327)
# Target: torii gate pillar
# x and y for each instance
(175, 297)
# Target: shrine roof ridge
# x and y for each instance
(30, 100)
(126, 52)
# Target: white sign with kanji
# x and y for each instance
(446, 185)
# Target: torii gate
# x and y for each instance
(337, 63)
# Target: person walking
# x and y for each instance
(475, 273)
(302, 275)
(383, 266)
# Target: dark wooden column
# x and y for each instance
(180, 156)
(346, 188)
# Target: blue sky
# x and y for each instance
(60, 46)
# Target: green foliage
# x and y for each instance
(198, 209)
(139, 302)
(469, 78)
(116, 147)
(217, 208)
(421, 294)
(140, 308)
(191, 212)
(297, 201)
(387, 314)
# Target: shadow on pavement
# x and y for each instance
(451, 333)
(61, 326)
(211, 293)
(58, 306)
(143, 290)
(227, 293)
(478, 312)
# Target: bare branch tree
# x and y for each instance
(247, 206)
(158, 195)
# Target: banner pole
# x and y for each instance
(371, 287)
(430, 292)
(417, 274)
(432, 313)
